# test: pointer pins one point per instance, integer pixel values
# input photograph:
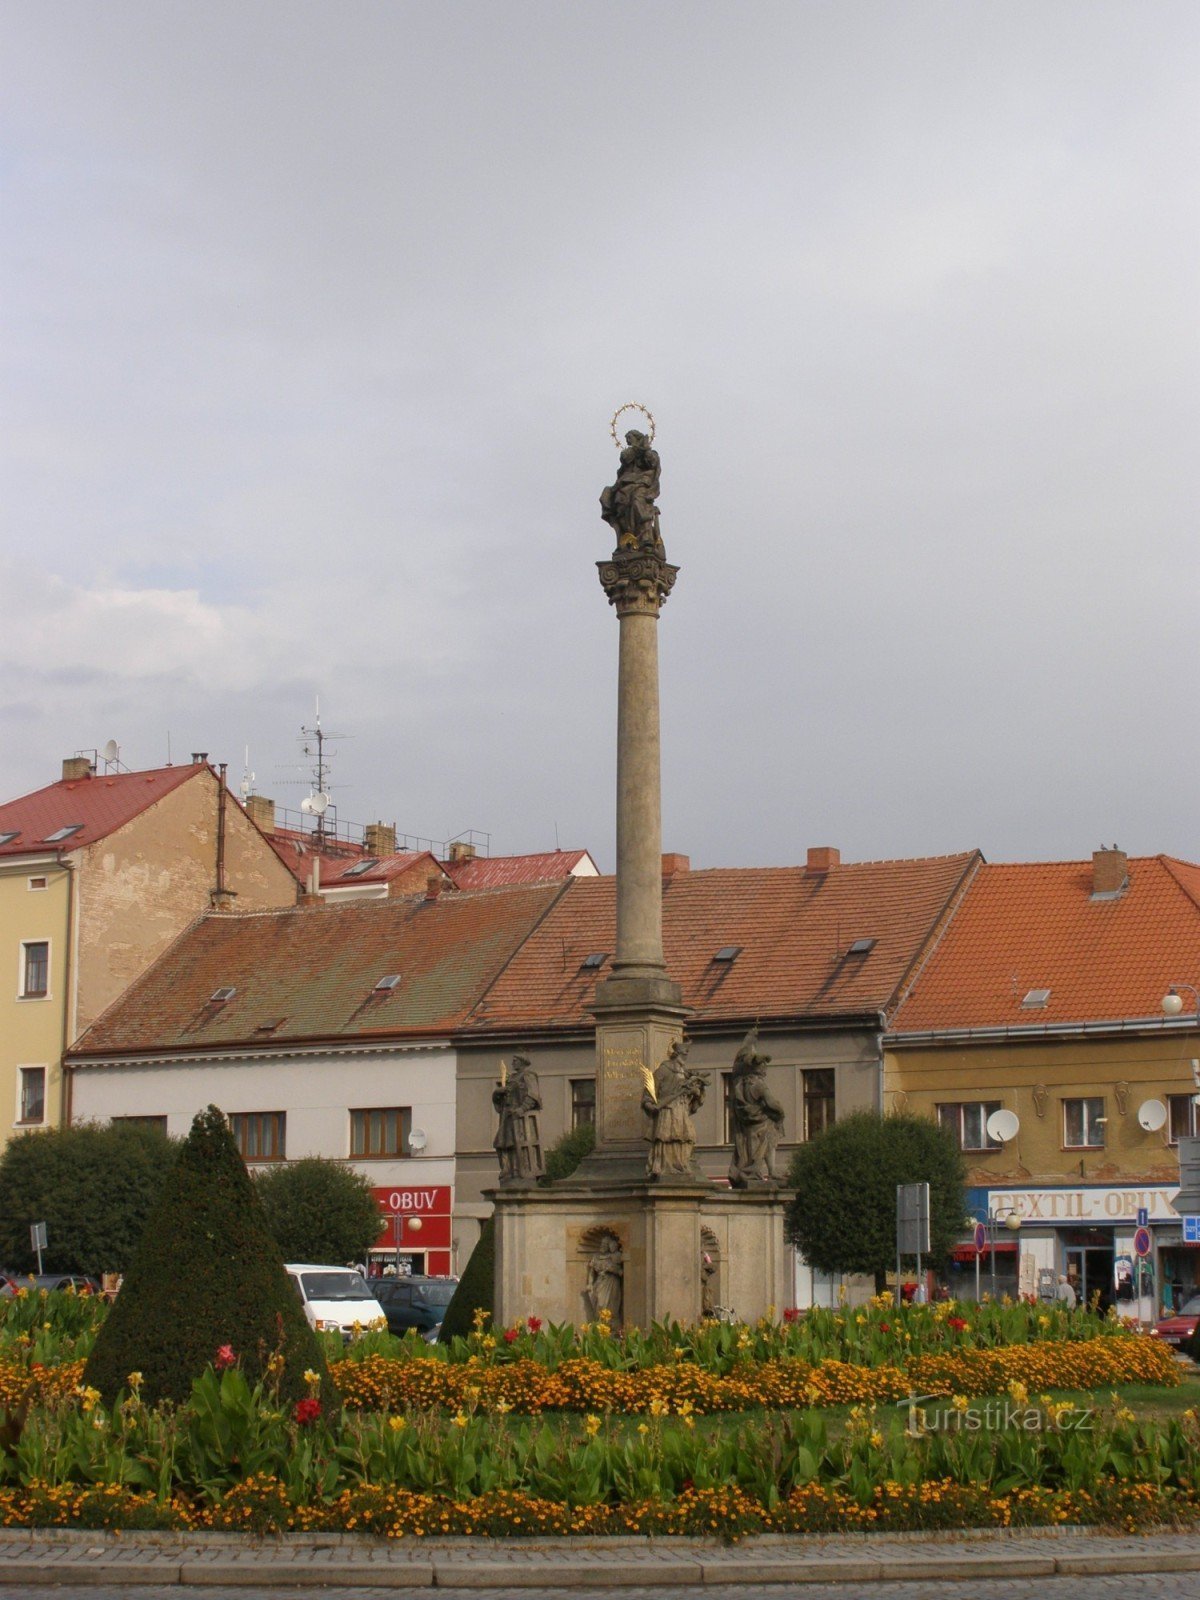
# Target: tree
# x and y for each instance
(476, 1287)
(563, 1157)
(206, 1274)
(319, 1210)
(843, 1215)
(93, 1186)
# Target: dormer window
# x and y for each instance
(60, 834)
(359, 867)
(9, 836)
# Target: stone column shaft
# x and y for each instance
(639, 950)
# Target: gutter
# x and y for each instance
(1044, 1030)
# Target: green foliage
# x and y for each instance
(476, 1288)
(206, 1274)
(843, 1215)
(562, 1158)
(319, 1210)
(92, 1186)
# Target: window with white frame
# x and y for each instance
(1184, 1117)
(35, 969)
(967, 1121)
(31, 1094)
(1083, 1124)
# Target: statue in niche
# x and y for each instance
(517, 1097)
(756, 1115)
(670, 1097)
(628, 505)
(606, 1279)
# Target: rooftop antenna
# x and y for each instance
(246, 787)
(317, 802)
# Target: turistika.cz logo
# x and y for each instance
(993, 1416)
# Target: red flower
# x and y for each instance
(791, 1314)
(535, 1324)
(885, 1327)
(224, 1357)
(510, 1334)
(307, 1411)
(957, 1323)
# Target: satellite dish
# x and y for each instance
(1003, 1125)
(315, 805)
(1152, 1115)
(417, 1140)
(111, 750)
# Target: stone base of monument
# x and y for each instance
(684, 1247)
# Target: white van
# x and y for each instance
(334, 1298)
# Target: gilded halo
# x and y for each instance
(632, 405)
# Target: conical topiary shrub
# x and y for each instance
(475, 1290)
(206, 1274)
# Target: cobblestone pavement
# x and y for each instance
(1144, 1586)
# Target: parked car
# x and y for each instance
(1178, 1328)
(334, 1298)
(418, 1303)
(81, 1282)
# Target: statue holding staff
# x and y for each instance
(517, 1097)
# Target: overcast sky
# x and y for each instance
(315, 316)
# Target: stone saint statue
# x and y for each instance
(678, 1091)
(756, 1115)
(628, 505)
(606, 1279)
(518, 1100)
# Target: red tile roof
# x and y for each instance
(1036, 926)
(306, 974)
(492, 872)
(102, 803)
(794, 927)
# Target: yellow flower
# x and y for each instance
(396, 1424)
(960, 1402)
(503, 1407)
(658, 1407)
(1018, 1393)
(876, 1441)
(479, 1318)
(643, 1427)
(134, 1380)
(592, 1426)
(460, 1421)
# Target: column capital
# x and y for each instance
(636, 581)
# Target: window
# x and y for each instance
(380, 1133)
(38, 883)
(35, 970)
(140, 1122)
(1184, 1117)
(259, 1134)
(583, 1102)
(9, 835)
(819, 1096)
(32, 1087)
(1083, 1124)
(60, 834)
(968, 1123)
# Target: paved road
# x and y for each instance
(1126, 1586)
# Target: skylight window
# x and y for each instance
(728, 952)
(219, 996)
(7, 838)
(1035, 999)
(63, 833)
(388, 982)
(359, 867)
(591, 962)
(861, 947)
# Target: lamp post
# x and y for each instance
(414, 1226)
(1187, 1201)
(1009, 1219)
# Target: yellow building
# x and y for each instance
(98, 874)
(1043, 1002)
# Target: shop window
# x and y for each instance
(380, 1132)
(1083, 1124)
(259, 1134)
(818, 1100)
(583, 1102)
(31, 1105)
(1184, 1120)
(967, 1122)
(35, 969)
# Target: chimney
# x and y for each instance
(380, 839)
(199, 757)
(76, 767)
(673, 864)
(822, 858)
(460, 850)
(261, 812)
(1109, 874)
(433, 886)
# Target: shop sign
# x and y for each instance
(1065, 1206)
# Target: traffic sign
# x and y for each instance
(980, 1237)
(1141, 1242)
(1191, 1230)
(1143, 1217)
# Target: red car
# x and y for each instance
(1180, 1327)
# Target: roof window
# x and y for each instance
(359, 867)
(388, 982)
(591, 962)
(7, 838)
(862, 947)
(270, 1025)
(728, 952)
(63, 833)
(219, 996)
(1035, 1000)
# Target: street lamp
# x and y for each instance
(1009, 1219)
(1172, 1001)
(414, 1226)
(1187, 1201)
